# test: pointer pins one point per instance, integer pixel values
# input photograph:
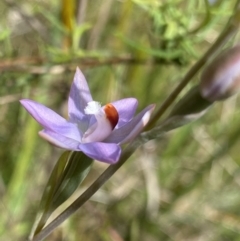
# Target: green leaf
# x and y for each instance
(68, 173)
(77, 169)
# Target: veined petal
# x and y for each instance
(104, 152)
(78, 98)
(126, 109)
(129, 131)
(50, 120)
(59, 140)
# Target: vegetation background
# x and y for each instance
(183, 187)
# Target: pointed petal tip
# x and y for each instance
(152, 107)
(79, 73)
(78, 70)
(28, 104)
(24, 101)
(147, 112)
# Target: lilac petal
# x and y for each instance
(50, 120)
(78, 98)
(126, 109)
(59, 140)
(129, 131)
(104, 152)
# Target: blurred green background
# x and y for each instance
(184, 187)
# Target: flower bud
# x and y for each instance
(221, 78)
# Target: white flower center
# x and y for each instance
(93, 108)
(107, 118)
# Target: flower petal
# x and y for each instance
(127, 132)
(50, 120)
(78, 98)
(59, 140)
(104, 152)
(126, 109)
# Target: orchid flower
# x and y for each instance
(96, 131)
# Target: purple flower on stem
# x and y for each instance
(97, 131)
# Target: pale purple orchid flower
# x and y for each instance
(96, 131)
